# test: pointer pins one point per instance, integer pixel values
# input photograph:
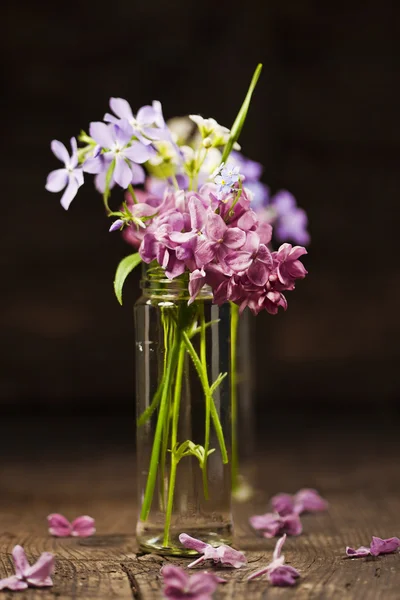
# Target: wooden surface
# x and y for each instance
(359, 475)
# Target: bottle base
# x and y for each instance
(151, 540)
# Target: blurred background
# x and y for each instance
(324, 123)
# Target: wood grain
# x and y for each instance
(362, 488)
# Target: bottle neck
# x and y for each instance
(154, 283)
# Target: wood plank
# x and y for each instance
(361, 485)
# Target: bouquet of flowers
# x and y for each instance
(189, 210)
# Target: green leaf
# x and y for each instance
(126, 265)
(242, 114)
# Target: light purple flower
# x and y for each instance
(59, 526)
(37, 575)
(273, 524)
(147, 126)
(226, 176)
(226, 555)
(116, 141)
(377, 546)
(291, 221)
(305, 500)
(71, 177)
(277, 572)
(178, 585)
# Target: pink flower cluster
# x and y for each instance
(220, 241)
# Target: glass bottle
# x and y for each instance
(183, 415)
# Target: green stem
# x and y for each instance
(146, 415)
(174, 439)
(234, 330)
(106, 194)
(214, 415)
(155, 453)
(208, 396)
(168, 334)
(132, 193)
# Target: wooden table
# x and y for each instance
(77, 466)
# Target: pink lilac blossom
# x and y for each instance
(377, 546)
(36, 575)
(277, 572)
(178, 585)
(223, 554)
(59, 526)
(305, 500)
(273, 524)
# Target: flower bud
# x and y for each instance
(207, 142)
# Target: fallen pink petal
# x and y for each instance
(178, 585)
(273, 524)
(225, 555)
(83, 526)
(59, 526)
(277, 572)
(305, 500)
(36, 575)
(358, 552)
(378, 546)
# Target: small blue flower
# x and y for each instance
(225, 178)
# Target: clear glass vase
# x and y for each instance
(183, 416)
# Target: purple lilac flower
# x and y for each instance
(273, 524)
(178, 585)
(291, 221)
(377, 546)
(115, 140)
(147, 126)
(226, 555)
(36, 575)
(305, 500)
(277, 572)
(71, 177)
(219, 240)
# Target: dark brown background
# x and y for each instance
(324, 122)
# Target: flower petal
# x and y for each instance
(83, 526)
(20, 561)
(215, 227)
(192, 543)
(60, 151)
(282, 504)
(57, 180)
(137, 152)
(231, 557)
(59, 526)
(380, 546)
(203, 585)
(283, 576)
(39, 573)
(102, 134)
(69, 193)
(258, 273)
(309, 500)
(234, 238)
(121, 108)
(358, 553)
(122, 172)
(239, 261)
(138, 174)
(13, 583)
(95, 165)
